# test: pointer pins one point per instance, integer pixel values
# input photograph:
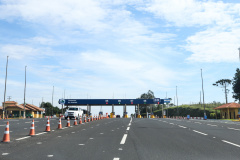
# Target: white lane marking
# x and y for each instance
(22, 138)
(120, 149)
(198, 122)
(128, 128)
(39, 142)
(231, 143)
(171, 123)
(50, 155)
(81, 144)
(200, 132)
(91, 138)
(101, 133)
(212, 125)
(40, 133)
(129, 124)
(182, 126)
(234, 129)
(116, 158)
(5, 154)
(123, 139)
(112, 130)
(214, 137)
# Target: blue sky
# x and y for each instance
(106, 48)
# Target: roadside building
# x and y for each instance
(1, 111)
(229, 110)
(13, 109)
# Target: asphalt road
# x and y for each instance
(126, 139)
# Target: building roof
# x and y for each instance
(9, 102)
(16, 106)
(32, 107)
(228, 105)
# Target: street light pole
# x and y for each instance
(24, 112)
(203, 95)
(4, 109)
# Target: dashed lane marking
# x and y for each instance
(39, 142)
(81, 144)
(50, 156)
(234, 129)
(101, 133)
(181, 126)
(123, 139)
(171, 123)
(116, 158)
(231, 143)
(212, 125)
(128, 128)
(22, 138)
(120, 149)
(200, 132)
(91, 138)
(5, 154)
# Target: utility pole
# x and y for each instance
(177, 101)
(239, 53)
(203, 95)
(24, 114)
(4, 109)
(52, 100)
(9, 98)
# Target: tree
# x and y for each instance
(49, 108)
(148, 95)
(224, 83)
(236, 85)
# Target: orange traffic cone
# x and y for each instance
(85, 120)
(48, 126)
(6, 137)
(75, 122)
(68, 123)
(80, 120)
(32, 129)
(94, 118)
(59, 124)
(88, 119)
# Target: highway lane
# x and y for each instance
(142, 139)
(225, 131)
(94, 140)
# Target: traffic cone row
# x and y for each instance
(6, 137)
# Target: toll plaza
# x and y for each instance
(112, 103)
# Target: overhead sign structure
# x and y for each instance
(109, 101)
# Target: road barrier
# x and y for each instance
(32, 129)
(6, 137)
(48, 126)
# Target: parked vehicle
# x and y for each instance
(73, 112)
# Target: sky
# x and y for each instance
(118, 49)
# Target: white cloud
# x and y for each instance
(214, 45)
(192, 12)
(84, 14)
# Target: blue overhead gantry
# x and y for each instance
(110, 102)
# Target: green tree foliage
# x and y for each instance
(49, 109)
(148, 95)
(224, 83)
(236, 85)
